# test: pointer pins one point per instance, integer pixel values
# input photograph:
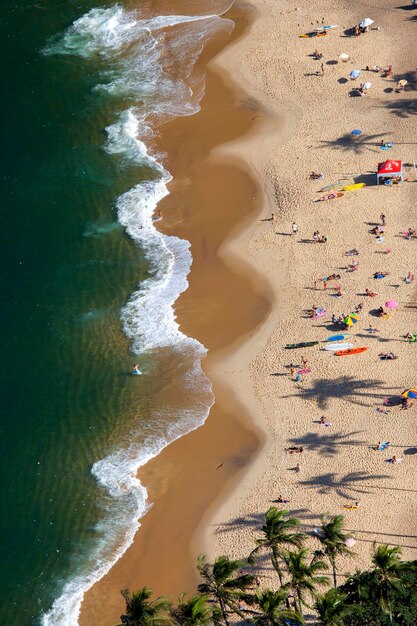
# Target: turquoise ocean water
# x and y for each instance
(88, 286)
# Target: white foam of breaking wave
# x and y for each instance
(140, 66)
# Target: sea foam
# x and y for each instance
(149, 63)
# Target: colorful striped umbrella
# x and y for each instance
(409, 393)
(351, 319)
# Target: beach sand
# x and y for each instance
(242, 264)
(338, 466)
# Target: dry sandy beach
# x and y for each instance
(260, 282)
(338, 466)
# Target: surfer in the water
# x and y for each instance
(135, 370)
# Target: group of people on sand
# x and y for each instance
(317, 238)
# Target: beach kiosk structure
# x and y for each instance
(389, 171)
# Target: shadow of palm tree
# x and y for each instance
(347, 387)
(403, 108)
(347, 486)
(357, 145)
(327, 444)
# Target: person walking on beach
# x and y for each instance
(294, 228)
(304, 361)
(383, 219)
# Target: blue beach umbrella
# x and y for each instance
(355, 73)
(356, 132)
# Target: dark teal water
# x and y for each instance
(64, 355)
(88, 287)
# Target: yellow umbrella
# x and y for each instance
(351, 319)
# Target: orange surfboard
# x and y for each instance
(351, 351)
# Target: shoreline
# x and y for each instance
(227, 416)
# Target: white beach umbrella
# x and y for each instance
(349, 543)
(366, 85)
(366, 22)
(344, 57)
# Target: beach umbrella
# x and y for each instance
(366, 85)
(344, 57)
(402, 82)
(366, 22)
(351, 319)
(391, 304)
(356, 132)
(409, 393)
(355, 73)
(349, 543)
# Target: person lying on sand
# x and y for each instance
(324, 422)
(381, 446)
(295, 450)
(317, 55)
(386, 73)
(406, 403)
(387, 356)
(381, 274)
(394, 460)
(353, 252)
(316, 176)
(280, 499)
(371, 294)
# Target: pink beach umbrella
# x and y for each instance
(391, 304)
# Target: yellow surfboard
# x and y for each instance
(354, 187)
(313, 34)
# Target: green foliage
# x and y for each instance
(225, 584)
(333, 539)
(364, 588)
(272, 609)
(332, 607)
(384, 595)
(194, 612)
(278, 535)
(304, 575)
(141, 611)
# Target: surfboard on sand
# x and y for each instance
(354, 187)
(338, 346)
(313, 34)
(350, 351)
(302, 344)
(338, 337)
(331, 196)
(319, 30)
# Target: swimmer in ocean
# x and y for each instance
(135, 370)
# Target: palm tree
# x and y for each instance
(333, 538)
(140, 611)
(273, 609)
(304, 575)
(387, 574)
(194, 612)
(225, 584)
(277, 536)
(332, 607)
